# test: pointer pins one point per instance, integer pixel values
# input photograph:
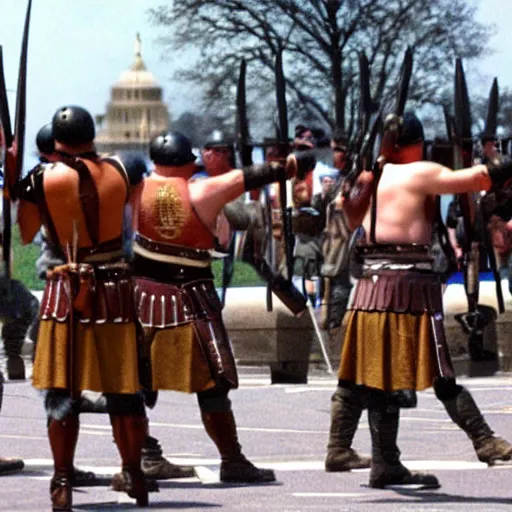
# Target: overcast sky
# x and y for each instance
(77, 49)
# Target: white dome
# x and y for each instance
(137, 75)
(136, 78)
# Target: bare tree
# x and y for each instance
(321, 40)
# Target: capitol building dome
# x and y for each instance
(135, 112)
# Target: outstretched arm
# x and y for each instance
(434, 179)
(209, 196)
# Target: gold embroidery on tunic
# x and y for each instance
(169, 211)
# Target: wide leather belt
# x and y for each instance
(175, 254)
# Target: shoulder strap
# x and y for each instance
(89, 199)
(37, 178)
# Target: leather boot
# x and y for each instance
(63, 435)
(386, 468)
(129, 433)
(221, 428)
(157, 467)
(465, 413)
(346, 409)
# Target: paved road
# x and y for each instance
(284, 427)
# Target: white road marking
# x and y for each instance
(427, 420)
(208, 473)
(327, 494)
(207, 476)
(12, 436)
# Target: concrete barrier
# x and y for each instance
(283, 341)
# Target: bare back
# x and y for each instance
(406, 199)
(61, 187)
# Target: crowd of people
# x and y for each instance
(130, 308)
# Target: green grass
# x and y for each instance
(244, 275)
(24, 267)
(24, 262)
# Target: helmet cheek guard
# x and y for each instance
(171, 148)
(73, 125)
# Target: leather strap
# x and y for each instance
(89, 198)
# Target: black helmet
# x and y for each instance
(44, 139)
(411, 130)
(171, 148)
(73, 126)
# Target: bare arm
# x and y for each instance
(29, 220)
(434, 179)
(208, 196)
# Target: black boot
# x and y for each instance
(221, 428)
(465, 413)
(386, 468)
(346, 409)
(157, 467)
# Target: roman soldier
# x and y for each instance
(175, 223)
(87, 336)
(154, 464)
(401, 299)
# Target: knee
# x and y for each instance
(215, 400)
(446, 389)
(125, 404)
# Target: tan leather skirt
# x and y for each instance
(388, 351)
(105, 357)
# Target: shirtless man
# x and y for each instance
(394, 341)
(87, 336)
(175, 222)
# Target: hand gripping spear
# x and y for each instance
(13, 143)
